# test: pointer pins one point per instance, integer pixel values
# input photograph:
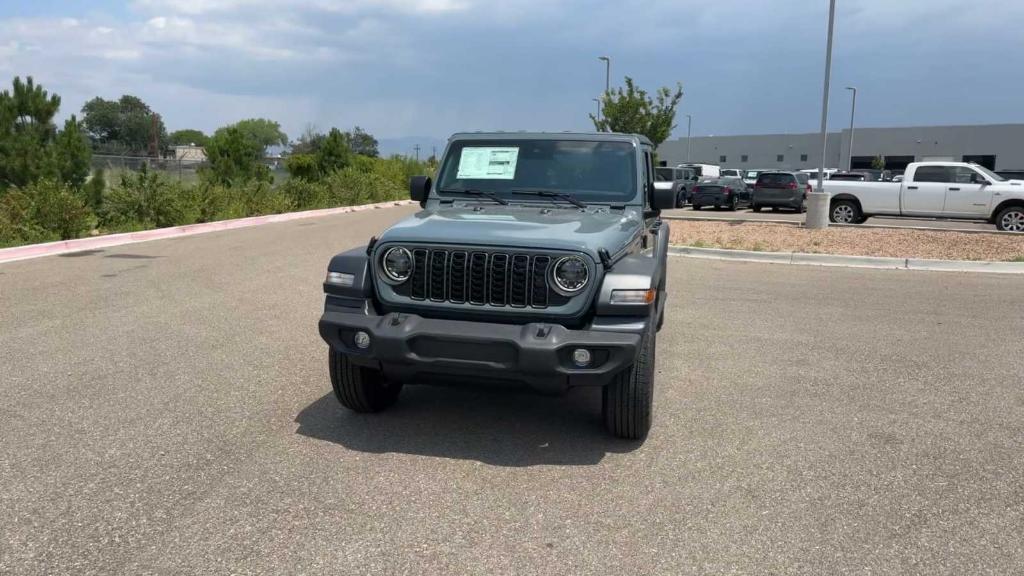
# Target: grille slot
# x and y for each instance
(478, 278)
(457, 267)
(482, 278)
(499, 279)
(418, 290)
(519, 280)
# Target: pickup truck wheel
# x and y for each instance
(695, 206)
(845, 212)
(732, 204)
(628, 402)
(359, 388)
(1011, 219)
(755, 207)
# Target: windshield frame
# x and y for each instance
(452, 154)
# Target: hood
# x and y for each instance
(521, 226)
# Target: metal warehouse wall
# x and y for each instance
(1004, 141)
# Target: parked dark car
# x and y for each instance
(850, 176)
(780, 190)
(1011, 174)
(729, 192)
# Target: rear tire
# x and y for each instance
(755, 207)
(628, 402)
(696, 206)
(359, 388)
(845, 212)
(732, 204)
(1011, 219)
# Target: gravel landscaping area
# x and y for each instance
(848, 241)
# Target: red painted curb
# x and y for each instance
(95, 242)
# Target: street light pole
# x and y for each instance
(689, 125)
(607, 80)
(818, 201)
(853, 111)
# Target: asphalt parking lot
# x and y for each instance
(791, 216)
(165, 409)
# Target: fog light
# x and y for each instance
(362, 340)
(581, 357)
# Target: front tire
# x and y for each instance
(755, 207)
(1011, 219)
(695, 206)
(358, 388)
(628, 402)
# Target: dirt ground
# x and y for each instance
(765, 237)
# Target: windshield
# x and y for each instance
(992, 175)
(593, 172)
(663, 174)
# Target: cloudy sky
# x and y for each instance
(426, 68)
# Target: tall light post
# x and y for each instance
(818, 201)
(607, 81)
(853, 111)
(689, 125)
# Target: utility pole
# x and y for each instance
(853, 111)
(818, 201)
(689, 125)
(417, 149)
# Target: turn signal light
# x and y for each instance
(634, 296)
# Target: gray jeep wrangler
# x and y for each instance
(537, 259)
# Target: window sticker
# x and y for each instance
(488, 163)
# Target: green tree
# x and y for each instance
(125, 126)
(362, 143)
(632, 111)
(72, 154)
(878, 163)
(26, 133)
(235, 158)
(265, 133)
(334, 153)
(188, 137)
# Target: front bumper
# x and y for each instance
(410, 347)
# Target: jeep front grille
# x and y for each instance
(480, 277)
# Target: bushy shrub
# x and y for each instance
(147, 199)
(306, 194)
(42, 211)
(253, 199)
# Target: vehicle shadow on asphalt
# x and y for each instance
(500, 427)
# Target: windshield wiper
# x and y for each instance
(484, 193)
(550, 194)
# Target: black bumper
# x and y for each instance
(411, 347)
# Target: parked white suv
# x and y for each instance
(933, 189)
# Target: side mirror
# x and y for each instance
(419, 188)
(979, 180)
(663, 199)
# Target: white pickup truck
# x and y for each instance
(933, 190)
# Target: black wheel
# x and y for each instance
(1011, 219)
(628, 402)
(732, 204)
(681, 199)
(845, 212)
(755, 207)
(696, 206)
(775, 208)
(359, 388)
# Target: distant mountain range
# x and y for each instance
(406, 146)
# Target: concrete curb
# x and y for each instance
(833, 224)
(849, 261)
(107, 241)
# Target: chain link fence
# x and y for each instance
(184, 170)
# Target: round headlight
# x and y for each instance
(397, 264)
(570, 274)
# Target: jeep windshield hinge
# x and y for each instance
(606, 258)
(370, 245)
